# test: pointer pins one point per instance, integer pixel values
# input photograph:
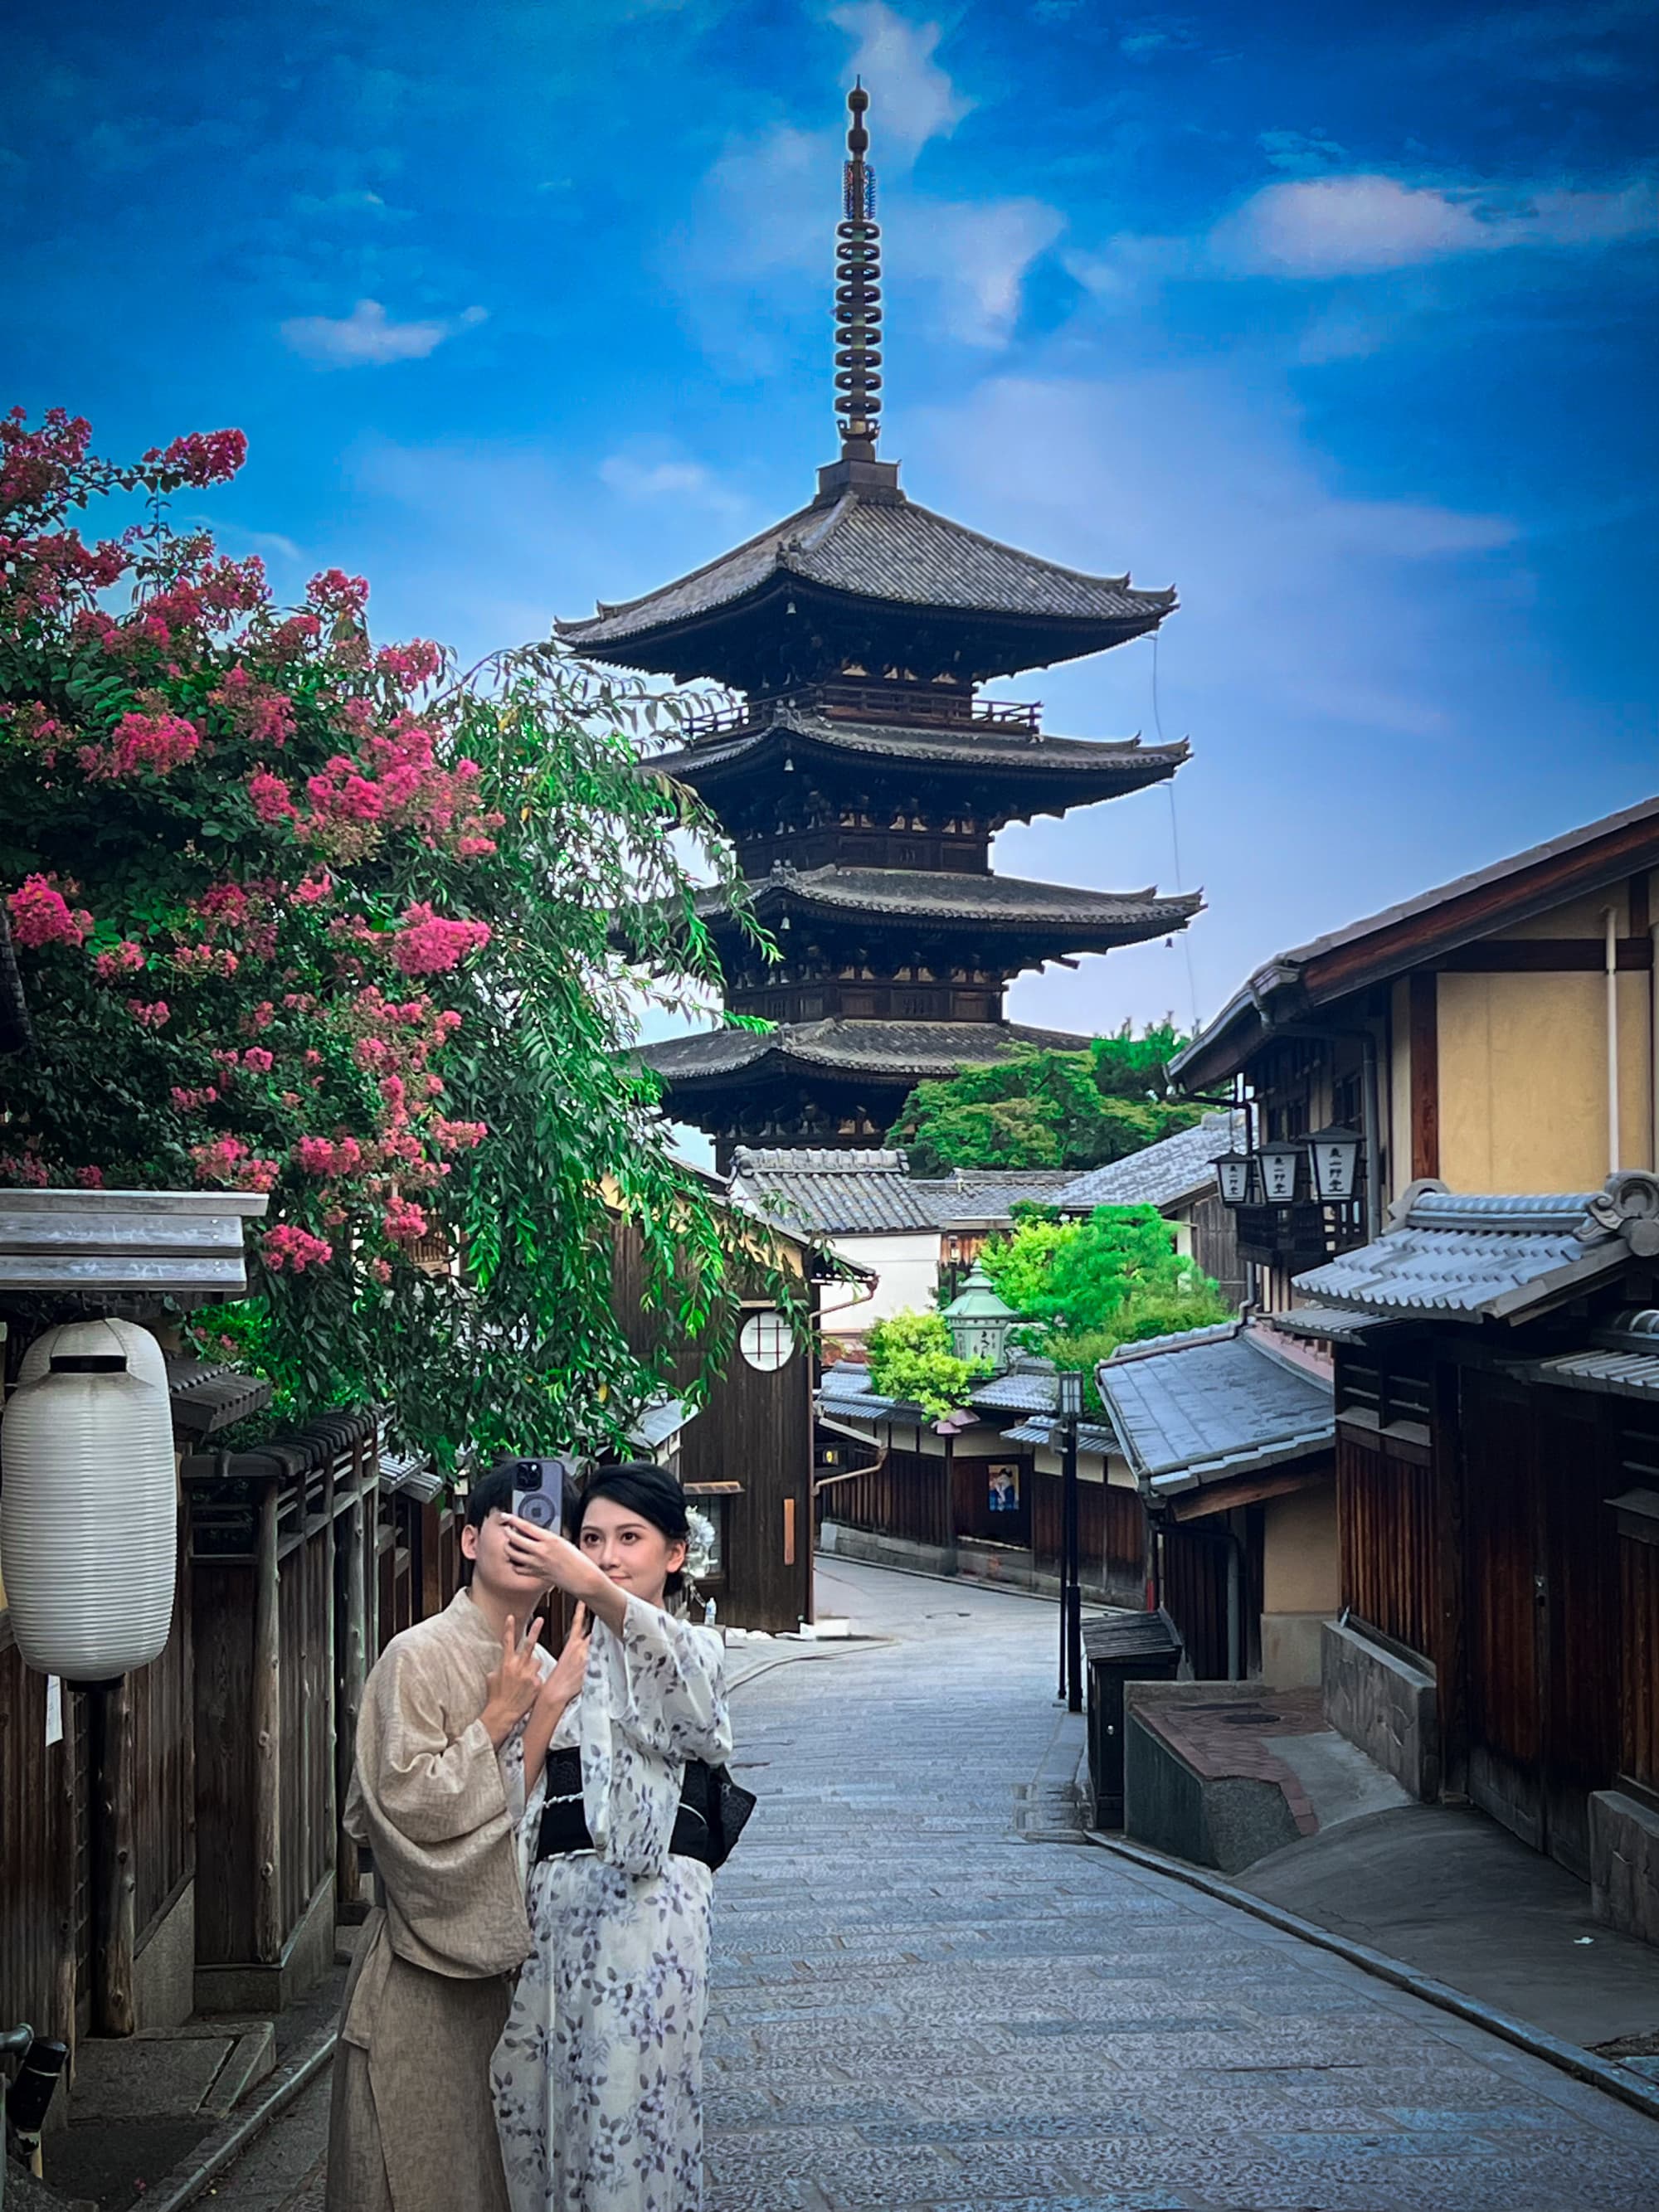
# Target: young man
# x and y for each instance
(413, 2126)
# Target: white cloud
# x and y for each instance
(912, 99)
(978, 252)
(1301, 598)
(1364, 225)
(367, 334)
(344, 203)
(687, 483)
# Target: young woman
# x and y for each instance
(599, 2076)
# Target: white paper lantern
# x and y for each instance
(89, 1504)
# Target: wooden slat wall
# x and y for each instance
(1192, 1585)
(164, 1764)
(306, 1743)
(1638, 1592)
(39, 1795)
(905, 1496)
(224, 1761)
(1112, 1533)
(1385, 1516)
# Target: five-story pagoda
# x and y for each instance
(863, 780)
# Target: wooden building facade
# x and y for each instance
(1497, 1492)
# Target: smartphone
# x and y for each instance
(538, 1492)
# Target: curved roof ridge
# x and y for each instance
(1040, 560)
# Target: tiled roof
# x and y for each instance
(1617, 1374)
(907, 1050)
(1325, 1324)
(883, 548)
(846, 1393)
(659, 1420)
(1328, 969)
(1214, 1404)
(1113, 766)
(1002, 903)
(1467, 1258)
(1028, 1386)
(836, 1194)
(1090, 1436)
(1173, 1168)
(869, 1193)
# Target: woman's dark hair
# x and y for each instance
(641, 1486)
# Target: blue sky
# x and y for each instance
(1341, 321)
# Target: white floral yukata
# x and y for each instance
(599, 2076)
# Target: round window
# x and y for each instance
(765, 1341)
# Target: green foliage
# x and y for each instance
(297, 915)
(1088, 1286)
(911, 1358)
(1047, 1109)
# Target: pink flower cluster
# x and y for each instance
(123, 959)
(333, 592)
(426, 945)
(201, 457)
(411, 664)
(405, 1222)
(228, 1160)
(41, 915)
(457, 1136)
(273, 801)
(151, 1015)
(255, 710)
(191, 1102)
(286, 1246)
(318, 1156)
(158, 741)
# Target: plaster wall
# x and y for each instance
(1523, 1095)
(1299, 1569)
(906, 1268)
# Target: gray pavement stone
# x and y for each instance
(916, 2010)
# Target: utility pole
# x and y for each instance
(1069, 1401)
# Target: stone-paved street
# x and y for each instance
(913, 2008)
(916, 2011)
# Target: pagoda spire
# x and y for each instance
(858, 295)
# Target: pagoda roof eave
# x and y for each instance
(886, 1051)
(910, 898)
(873, 558)
(1085, 766)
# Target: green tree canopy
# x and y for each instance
(1076, 1275)
(301, 913)
(912, 1357)
(1047, 1109)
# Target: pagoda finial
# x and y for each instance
(858, 295)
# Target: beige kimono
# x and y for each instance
(413, 2128)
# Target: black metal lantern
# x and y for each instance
(1333, 1161)
(1068, 1399)
(1279, 1165)
(1233, 1177)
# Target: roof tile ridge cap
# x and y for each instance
(1040, 560)
(1258, 1335)
(609, 610)
(1628, 1207)
(810, 540)
(1220, 1332)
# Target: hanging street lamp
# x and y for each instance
(1233, 1177)
(1333, 1161)
(1279, 1164)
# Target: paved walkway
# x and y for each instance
(916, 2011)
(915, 2008)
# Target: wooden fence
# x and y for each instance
(1386, 1525)
(905, 1494)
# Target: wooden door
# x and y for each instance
(1503, 1604)
(1579, 1571)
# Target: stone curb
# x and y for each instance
(220, 2150)
(1584, 2065)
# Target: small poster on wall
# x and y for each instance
(1004, 1488)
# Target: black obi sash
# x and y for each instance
(564, 1824)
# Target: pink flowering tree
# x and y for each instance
(301, 914)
